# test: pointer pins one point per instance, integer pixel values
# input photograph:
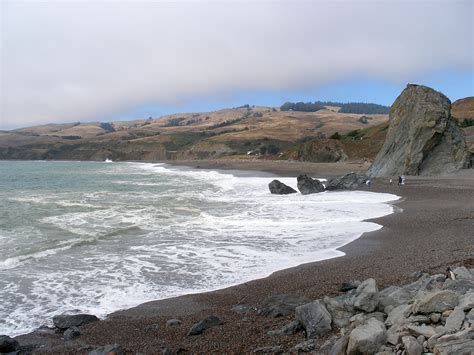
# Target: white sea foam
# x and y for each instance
(170, 232)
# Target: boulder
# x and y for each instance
(349, 181)
(173, 322)
(393, 296)
(463, 273)
(341, 308)
(398, 315)
(113, 349)
(340, 346)
(361, 318)
(65, 321)
(436, 301)
(455, 320)
(422, 138)
(307, 185)
(315, 318)
(367, 297)
(412, 346)
(367, 338)
(304, 347)
(455, 347)
(288, 329)
(282, 305)
(466, 301)
(278, 188)
(71, 333)
(7, 344)
(350, 285)
(203, 325)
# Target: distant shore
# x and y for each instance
(433, 231)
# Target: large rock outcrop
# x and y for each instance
(422, 138)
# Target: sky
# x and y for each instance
(67, 61)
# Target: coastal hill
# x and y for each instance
(326, 135)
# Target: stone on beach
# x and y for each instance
(315, 318)
(288, 329)
(367, 297)
(8, 344)
(205, 324)
(307, 185)
(282, 305)
(436, 301)
(65, 321)
(173, 322)
(367, 338)
(279, 188)
(349, 181)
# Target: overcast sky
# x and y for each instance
(101, 60)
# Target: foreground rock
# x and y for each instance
(422, 138)
(367, 338)
(315, 319)
(205, 324)
(307, 185)
(349, 181)
(7, 344)
(76, 320)
(278, 188)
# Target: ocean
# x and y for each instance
(97, 237)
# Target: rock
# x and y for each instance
(349, 181)
(463, 273)
(114, 349)
(436, 301)
(340, 346)
(341, 308)
(243, 308)
(66, 321)
(367, 338)
(393, 296)
(361, 318)
(269, 350)
(71, 333)
(470, 317)
(422, 138)
(173, 322)
(435, 317)
(464, 347)
(466, 301)
(460, 286)
(201, 326)
(412, 346)
(320, 151)
(455, 320)
(288, 329)
(416, 330)
(282, 305)
(315, 318)
(8, 345)
(307, 185)
(279, 188)
(398, 315)
(304, 347)
(350, 285)
(367, 297)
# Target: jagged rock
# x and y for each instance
(203, 325)
(426, 331)
(412, 346)
(422, 138)
(288, 329)
(173, 322)
(282, 305)
(464, 347)
(466, 301)
(460, 286)
(307, 185)
(470, 317)
(65, 321)
(8, 345)
(435, 317)
(455, 319)
(393, 296)
(367, 338)
(114, 349)
(279, 188)
(304, 347)
(436, 301)
(349, 181)
(341, 308)
(367, 297)
(463, 273)
(315, 318)
(350, 285)
(71, 333)
(361, 318)
(340, 346)
(269, 350)
(398, 315)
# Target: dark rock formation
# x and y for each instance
(422, 138)
(307, 185)
(203, 325)
(71, 333)
(65, 321)
(349, 181)
(7, 344)
(282, 305)
(279, 188)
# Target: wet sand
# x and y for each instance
(433, 228)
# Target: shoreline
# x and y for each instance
(375, 254)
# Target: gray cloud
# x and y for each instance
(66, 61)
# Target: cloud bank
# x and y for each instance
(68, 61)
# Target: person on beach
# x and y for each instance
(399, 180)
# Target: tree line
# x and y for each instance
(349, 107)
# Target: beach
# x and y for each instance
(430, 230)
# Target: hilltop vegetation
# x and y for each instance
(349, 107)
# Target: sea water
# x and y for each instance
(96, 237)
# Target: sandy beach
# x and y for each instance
(431, 229)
